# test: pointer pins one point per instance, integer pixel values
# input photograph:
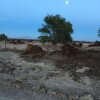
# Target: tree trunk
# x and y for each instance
(5, 43)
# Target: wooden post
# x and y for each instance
(5, 43)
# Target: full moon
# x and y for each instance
(66, 2)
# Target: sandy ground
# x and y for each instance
(27, 74)
(45, 78)
(17, 94)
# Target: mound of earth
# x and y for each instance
(69, 49)
(35, 50)
(97, 43)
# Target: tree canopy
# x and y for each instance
(57, 29)
(43, 39)
(3, 37)
(99, 32)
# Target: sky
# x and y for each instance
(23, 18)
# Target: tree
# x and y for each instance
(43, 39)
(3, 37)
(57, 29)
(99, 32)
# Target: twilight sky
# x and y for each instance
(22, 18)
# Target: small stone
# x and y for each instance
(52, 93)
(86, 97)
(73, 97)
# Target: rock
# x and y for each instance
(73, 97)
(86, 97)
(43, 89)
(51, 93)
(17, 84)
(35, 50)
(69, 50)
(97, 43)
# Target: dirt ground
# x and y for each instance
(88, 59)
(68, 78)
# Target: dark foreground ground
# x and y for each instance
(17, 94)
(53, 77)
